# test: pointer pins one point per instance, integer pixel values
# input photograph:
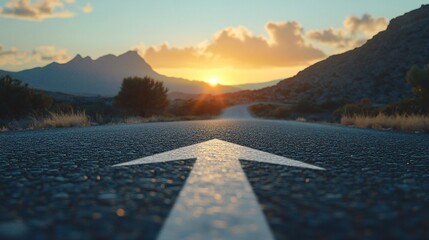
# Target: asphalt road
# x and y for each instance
(237, 112)
(59, 183)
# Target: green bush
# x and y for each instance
(406, 106)
(281, 112)
(142, 96)
(419, 80)
(18, 100)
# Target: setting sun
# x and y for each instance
(213, 82)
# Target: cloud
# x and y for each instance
(327, 36)
(12, 56)
(166, 57)
(366, 24)
(284, 47)
(341, 39)
(38, 10)
(238, 47)
(354, 33)
(51, 54)
(42, 54)
(87, 8)
(285, 44)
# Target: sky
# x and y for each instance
(233, 42)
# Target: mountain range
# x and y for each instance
(375, 70)
(103, 76)
(255, 86)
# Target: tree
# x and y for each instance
(419, 80)
(18, 100)
(142, 96)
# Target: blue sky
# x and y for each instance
(118, 26)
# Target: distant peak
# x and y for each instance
(79, 58)
(131, 53)
(133, 56)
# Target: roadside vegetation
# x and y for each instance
(410, 114)
(140, 100)
(301, 111)
(18, 100)
(142, 96)
(62, 120)
(413, 122)
(406, 115)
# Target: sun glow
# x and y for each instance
(213, 82)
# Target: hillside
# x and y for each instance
(254, 86)
(376, 70)
(103, 76)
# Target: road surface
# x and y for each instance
(60, 183)
(240, 112)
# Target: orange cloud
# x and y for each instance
(354, 33)
(238, 47)
(164, 56)
(284, 47)
(39, 10)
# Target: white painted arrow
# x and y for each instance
(217, 201)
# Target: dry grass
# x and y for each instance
(382, 121)
(62, 120)
(301, 119)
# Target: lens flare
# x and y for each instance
(213, 82)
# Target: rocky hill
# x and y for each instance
(376, 70)
(103, 76)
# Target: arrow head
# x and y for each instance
(216, 148)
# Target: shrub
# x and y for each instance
(73, 119)
(407, 106)
(281, 112)
(142, 96)
(18, 100)
(364, 107)
(419, 79)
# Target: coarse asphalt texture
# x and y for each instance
(60, 183)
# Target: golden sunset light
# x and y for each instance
(238, 119)
(213, 81)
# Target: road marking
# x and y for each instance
(217, 201)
